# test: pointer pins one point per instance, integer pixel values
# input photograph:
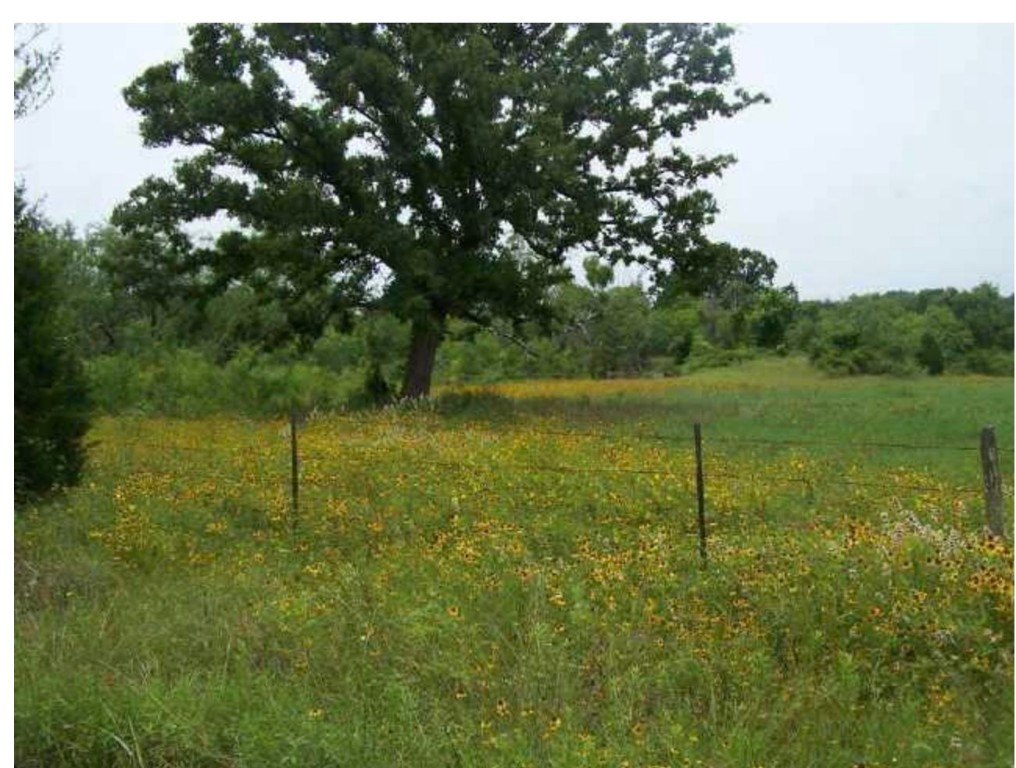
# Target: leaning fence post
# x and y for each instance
(700, 487)
(295, 467)
(992, 482)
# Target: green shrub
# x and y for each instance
(338, 352)
(990, 362)
(257, 383)
(187, 383)
(116, 383)
(51, 402)
(705, 355)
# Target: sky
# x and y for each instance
(884, 160)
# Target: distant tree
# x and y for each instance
(730, 276)
(422, 156)
(622, 332)
(101, 316)
(598, 274)
(605, 330)
(900, 332)
(672, 331)
(929, 354)
(987, 314)
(945, 340)
(576, 311)
(730, 280)
(771, 315)
(803, 332)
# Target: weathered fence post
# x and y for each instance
(700, 487)
(992, 482)
(295, 466)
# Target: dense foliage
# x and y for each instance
(934, 331)
(175, 356)
(51, 407)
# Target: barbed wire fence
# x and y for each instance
(990, 487)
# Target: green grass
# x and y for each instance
(449, 597)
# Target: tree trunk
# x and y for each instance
(426, 336)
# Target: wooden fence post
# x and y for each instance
(992, 482)
(700, 487)
(295, 467)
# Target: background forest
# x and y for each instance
(169, 354)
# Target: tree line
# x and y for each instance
(166, 352)
(934, 331)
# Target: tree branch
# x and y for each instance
(488, 325)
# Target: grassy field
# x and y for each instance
(511, 576)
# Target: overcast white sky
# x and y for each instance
(885, 159)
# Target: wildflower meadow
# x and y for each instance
(512, 575)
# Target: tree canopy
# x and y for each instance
(439, 171)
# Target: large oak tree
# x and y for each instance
(439, 170)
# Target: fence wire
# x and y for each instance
(612, 437)
(283, 476)
(687, 439)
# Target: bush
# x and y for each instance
(989, 362)
(51, 403)
(705, 355)
(116, 383)
(901, 333)
(338, 352)
(187, 383)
